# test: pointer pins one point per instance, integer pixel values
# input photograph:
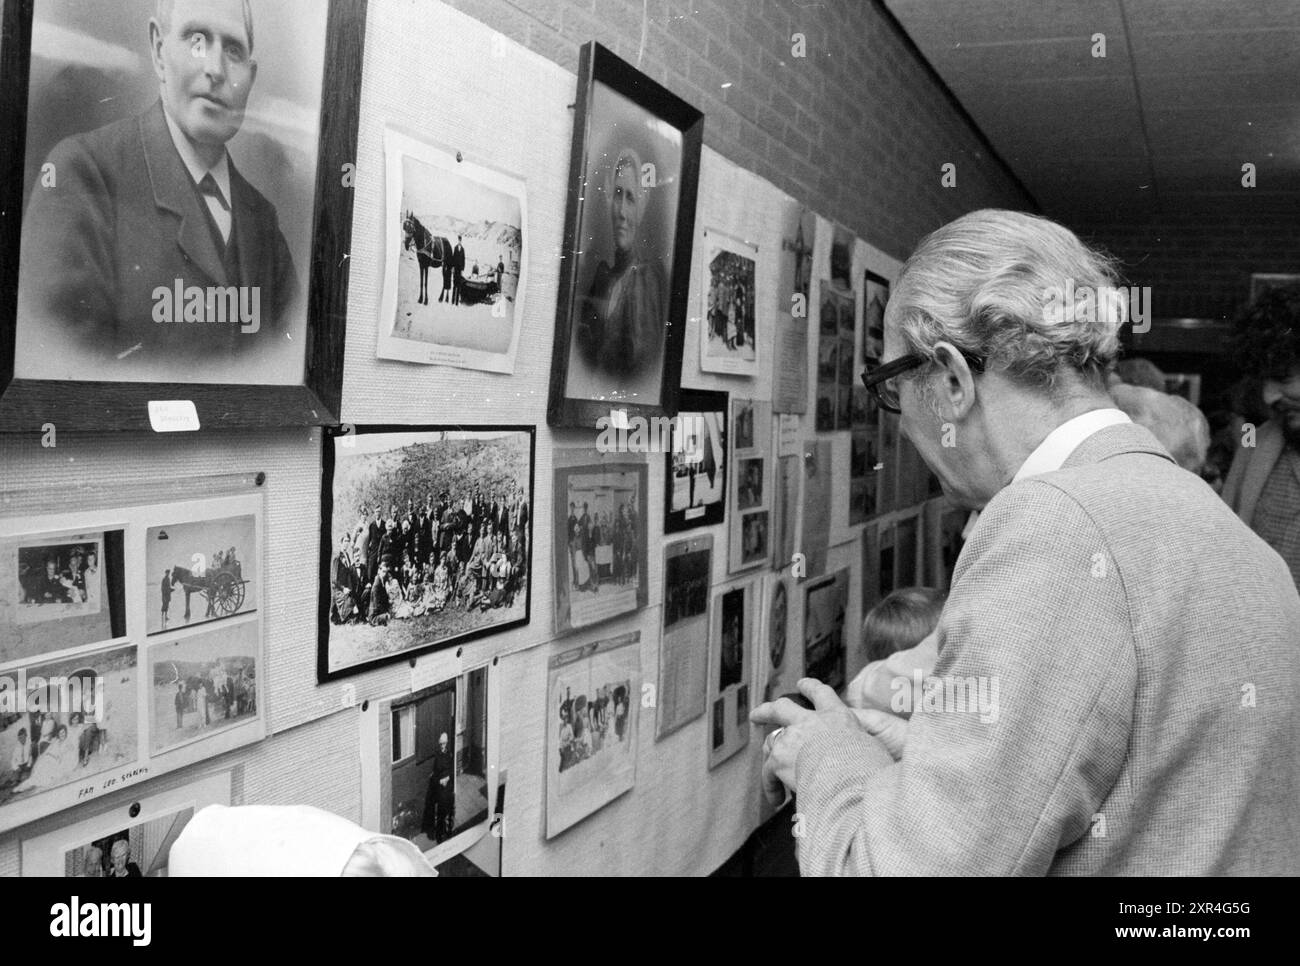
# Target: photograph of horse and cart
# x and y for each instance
(200, 571)
(454, 282)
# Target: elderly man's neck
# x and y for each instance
(1027, 416)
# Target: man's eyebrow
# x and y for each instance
(196, 26)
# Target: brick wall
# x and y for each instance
(858, 128)
(1198, 259)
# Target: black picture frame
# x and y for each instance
(26, 404)
(692, 401)
(600, 66)
(324, 671)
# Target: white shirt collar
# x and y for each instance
(220, 171)
(1056, 448)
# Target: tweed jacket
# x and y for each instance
(1145, 645)
(1250, 470)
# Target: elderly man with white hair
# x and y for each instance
(1141, 641)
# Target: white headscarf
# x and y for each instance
(276, 840)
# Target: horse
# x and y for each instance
(415, 235)
(191, 583)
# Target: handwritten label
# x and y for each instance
(787, 439)
(173, 416)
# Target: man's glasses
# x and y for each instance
(882, 380)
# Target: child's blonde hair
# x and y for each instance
(902, 620)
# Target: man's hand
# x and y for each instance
(796, 725)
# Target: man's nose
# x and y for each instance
(214, 62)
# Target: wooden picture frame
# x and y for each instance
(28, 403)
(623, 119)
(346, 642)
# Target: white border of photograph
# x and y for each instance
(396, 146)
(44, 855)
(430, 671)
(710, 241)
(760, 449)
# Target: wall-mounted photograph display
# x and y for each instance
(183, 229)
(887, 463)
(203, 684)
(875, 296)
(835, 367)
(729, 338)
(869, 576)
(785, 510)
(790, 354)
(629, 226)
(750, 543)
(945, 525)
(200, 571)
(455, 269)
(825, 608)
(60, 591)
(862, 476)
(842, 242)
(784, 657)
(429, 763)
(131, 842)
(730, 671)
(593, 693)
(64, 724)
(696, 464)
(426, 540)
(683, 662)
(816, 505)
(600, 542)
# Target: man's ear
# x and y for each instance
(957, 383)
(155, 48)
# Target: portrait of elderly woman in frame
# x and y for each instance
(621, 315)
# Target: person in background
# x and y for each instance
(92, 866)
(1179, 426)
(898, 638)
(121, 866)
(1137, 371)
(20, 762)
(1263, 485)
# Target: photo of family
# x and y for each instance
(594, 693)
(727, 322)
(429, 540)
(750, 474)
(59, 580)
(753, 536)
(729, 661)
(437, 771)
(203, 684)
(202, 571)
(138, 851)
(456, 273)
(697, 463)
(77, 720)
(600, 547)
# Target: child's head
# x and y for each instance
(902, 620)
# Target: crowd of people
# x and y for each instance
(69, 576)
(602, 546)
(730, 319)
(49, 747)
(586, 722)
(470, 551)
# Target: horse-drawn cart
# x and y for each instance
(222, 587)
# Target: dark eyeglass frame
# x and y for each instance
(876, 375)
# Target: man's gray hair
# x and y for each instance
(999, 284)
(165, 19)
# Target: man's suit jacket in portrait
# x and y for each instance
(1145, 645)
(123, 218)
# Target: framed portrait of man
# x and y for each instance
(621, 313)
(184, 172)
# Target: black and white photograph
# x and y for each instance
(438, 760)
(835, 368)
(799, 234)
(593, 699)
(67, 721)
(200, 571)
(728, 326)
(600, 542)
(683, 664)
(60, 591)
(842, 243)
(825, 606)
(875, 296)
(202, 684)
(751, 483)
(455, 269)
(629, 230)
(742, 423)
(945, 525)
(784, 663)
(742, 706)
(427, 540)
(785, 510)
(170, 190)
(754, 537)
(697, 464)
(138, 851)
(730, 647)
(862, 476)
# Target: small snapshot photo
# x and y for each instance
(60, 580)
(750, 483)
(731, 664)
(430, 540)
(697, 462)
(719, 722)
(67, 721)
(742, 706)
(203, 571)
(742, 423)
(875, 296)
(842, 258)
(135, 852)
(753, 536)
(727, 331)
(601, 559)
(438, 769)
(203, 684)
(454, 280)
(686, 587)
